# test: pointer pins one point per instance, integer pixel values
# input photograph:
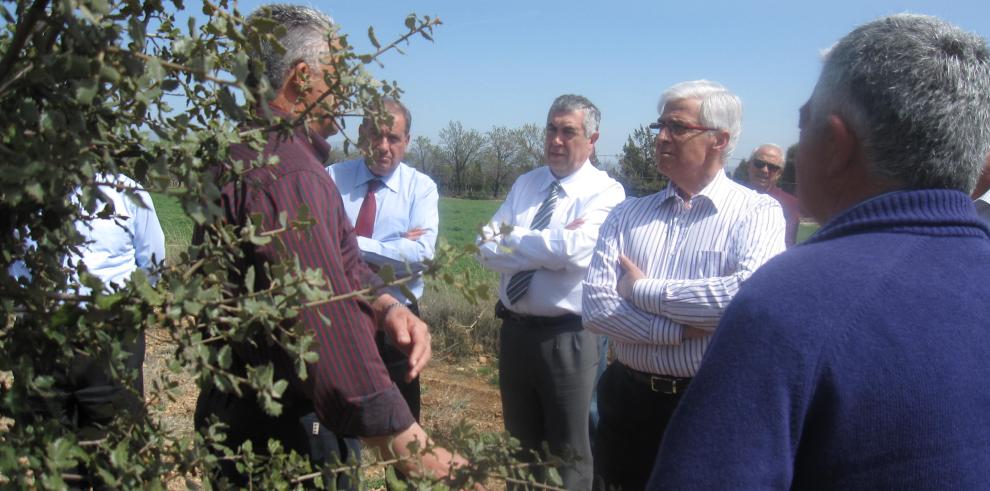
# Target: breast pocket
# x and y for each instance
(704, 264)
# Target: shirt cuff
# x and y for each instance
(666, 332)
(369, 245)
(647, 295)
(383, 413)
(511, 240)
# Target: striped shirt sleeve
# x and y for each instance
(603, 310)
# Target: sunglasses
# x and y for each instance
(760, 164)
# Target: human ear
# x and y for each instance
(721, 140)
(297, 80)
(844, 145)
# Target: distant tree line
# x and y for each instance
(467, 163)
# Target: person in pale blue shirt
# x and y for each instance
(113, 247)
(131, 239)
(394, 210)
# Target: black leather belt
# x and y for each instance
(664, 384)
(503, 312)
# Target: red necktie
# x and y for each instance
(365, 224)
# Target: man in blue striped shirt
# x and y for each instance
(858, 359)
(664, 269)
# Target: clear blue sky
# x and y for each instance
(503, 62)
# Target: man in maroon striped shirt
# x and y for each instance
(348, 387)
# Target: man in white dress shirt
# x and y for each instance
(547, 361)
(665, 267)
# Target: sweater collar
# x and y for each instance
(940, 212)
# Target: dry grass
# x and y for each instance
(459, 328)
(174, 409)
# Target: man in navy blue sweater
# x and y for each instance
(872, 372)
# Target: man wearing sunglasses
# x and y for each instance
(765, 166)
(664, 269)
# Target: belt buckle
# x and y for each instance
(672, 384)
(503, 312)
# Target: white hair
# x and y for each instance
(720, 109)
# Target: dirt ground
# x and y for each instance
(452, 391)
(465, 389)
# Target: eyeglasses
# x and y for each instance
(760, 164)
(676, 128)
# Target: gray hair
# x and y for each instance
(915, 91)
(305, 38)
(570, 103)
(720, 109)
(769, 145)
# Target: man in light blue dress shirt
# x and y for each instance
(89, 396)
(406, 217)
(400, 222)
(114, 248)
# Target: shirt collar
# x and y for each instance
(363, 175)
(985, 198)
(572, 184)
(716, 192)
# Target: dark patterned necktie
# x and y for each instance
(519, 283)
(364, 226)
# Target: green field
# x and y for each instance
(175, 224)
(459, 221)
(460, 218)
(805, 230)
